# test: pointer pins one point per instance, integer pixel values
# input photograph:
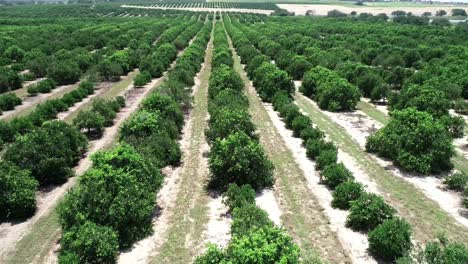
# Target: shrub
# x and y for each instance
(339, 95)
(368, 211)
(212, 255)
(228, 121)
(105, 109)
(316, 146)
(45, 86)
(239, 159)
(112, 197)
(457, 181)
(236, 196)
(311, 133)
(167, 107)
(142, 78)
(345, 193)
(18, 192)
(247, 218)
(265, 245)
(299, 124)
(8, 101)
(89, 243)
(222, 78)
(391, 239)
(91, 122)
(325, 158)
(269, 79)
(49, 151)
(335, 174)
(415, 141)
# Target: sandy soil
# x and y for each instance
(381, 108)
(322, 10)
(359, 126)
(266, 200)
(202, 9)
(33, 101)
(100, 89)
(167, 196)
(354, 243)
(218, 229)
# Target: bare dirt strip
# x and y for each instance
(302, 215)
(408, 198)
(179, 229)
(323, 9)
(29, 103)
(204, 9)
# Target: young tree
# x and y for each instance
(391, 239)
(228, 121)
(18, 192)
(92, 122)
(368, 211)
(89, 243)
(415, 141)
(239, 159)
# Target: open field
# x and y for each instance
(373, 8)
(232, 132)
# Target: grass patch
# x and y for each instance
(190, 212)
(302, 216)
(425, 216)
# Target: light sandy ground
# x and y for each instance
(381, 108)
(11, 233)
(322, 10)
(167, 196)
(100, 89)
(33, 101)
(219, 225)
(359, 126)
(201, 9)
(354, 243)
(266, 200)
(166, 199)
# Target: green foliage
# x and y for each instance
(222, 78)
(331, 92)
(345, 193)
(269, 79)
(391, 239)
(316, 146)
(248, 218)
(89, 243)
(457, 181)
(142, 78)
(49, 151)
(90, 121)
(236, 196)
(299, 124)
(415, 141)
(167, 107)
(239, 159)
(368, 211)
(326, 158)
(264, 245)
(335, 174)
(17, 192)
(8, 101)
(227, 122)
(64, 72)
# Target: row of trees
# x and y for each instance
(126, 178)
(433, 96)
(239, 167)
(389, 236)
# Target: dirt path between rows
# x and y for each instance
(406, 196)
(178, 230)
(19, 234)
(302, 215)
(30, 102)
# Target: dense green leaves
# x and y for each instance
(415, 141)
